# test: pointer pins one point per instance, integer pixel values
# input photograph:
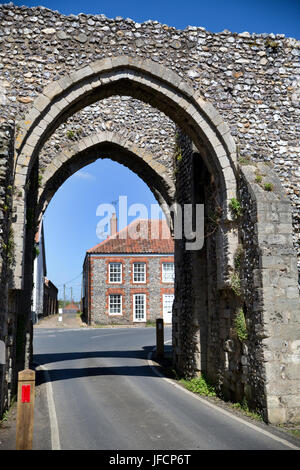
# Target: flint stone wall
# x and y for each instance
(270, 294)
(252, 79)
(100, 289)
(263, 364)
(6, 254)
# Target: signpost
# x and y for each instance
(25, 408)
(159, 337)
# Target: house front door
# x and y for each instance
(168, 300)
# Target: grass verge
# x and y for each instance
(202, 387)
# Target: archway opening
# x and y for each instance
(199, 130)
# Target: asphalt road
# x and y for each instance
(105, 396)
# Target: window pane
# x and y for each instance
(168, 272)
(115, 272)
(115, 304)
(139, 272)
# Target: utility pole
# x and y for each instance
(64, 295)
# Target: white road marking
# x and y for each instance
(107, 334)
(55, 442)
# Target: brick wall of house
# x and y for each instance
(100, 288)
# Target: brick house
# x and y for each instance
(129, 277)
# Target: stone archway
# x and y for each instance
(152, 84)
(141, 79)
(202, 132)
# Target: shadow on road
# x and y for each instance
(71, 373)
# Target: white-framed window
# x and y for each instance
(139, 272)
(115, 304)
(115, 273)
(167, 272)
(139, 307)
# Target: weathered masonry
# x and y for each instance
(202, 118)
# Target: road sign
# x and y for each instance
(25, 395)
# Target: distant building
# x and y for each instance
(130, 279)
(44, 293)
(50, 298)
(71, 308)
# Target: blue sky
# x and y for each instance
(260, 16)
(70, 219)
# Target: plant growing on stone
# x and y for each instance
(245, 161)
(244, 407)
(238, 257)
(268, 187)
(177, 158)
(272, 44)
(10, 250)
(70, 134)
(240, 326)
(235, 207)
(258, 178)
(199, 385)
(235, 283)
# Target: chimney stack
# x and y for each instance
(113, 225)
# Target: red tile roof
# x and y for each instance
(71, 306)
(141, 236)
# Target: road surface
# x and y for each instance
(104, 395)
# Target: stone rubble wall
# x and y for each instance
(270, 293)
(135, 121)
(6, 247)
(253, 80)
(258, 362)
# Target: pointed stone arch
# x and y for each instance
(141, 79)
(101, 145)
